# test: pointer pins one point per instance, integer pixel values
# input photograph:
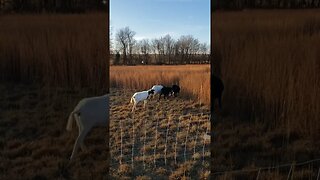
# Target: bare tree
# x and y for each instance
(194, 50)
(145, 50)
(203, 48)
(126, 41)
(169, 47)
(110, 40)
(185, 43)
(157, 49)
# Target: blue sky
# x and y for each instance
(156, 18)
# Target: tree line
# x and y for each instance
(64, 6)
(243, 4)
(186, 49)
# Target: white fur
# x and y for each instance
(89, 112)
(137, 97)
(157, 89)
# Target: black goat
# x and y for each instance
(165, 91)
(176, 90)
(217, 88)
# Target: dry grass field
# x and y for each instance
(48, 63)
(270, 65)
(167, 140)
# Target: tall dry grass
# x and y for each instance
(194, 80)
(60, 50)
(270, 63)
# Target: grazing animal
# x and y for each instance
(217, 88)
(176, 90)
(157, 89)
(89, 112)
(165, 91)
(140, 96)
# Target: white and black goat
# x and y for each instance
(140, 96)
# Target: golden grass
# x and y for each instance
(270, 66)
(194, 80)
(60, 50)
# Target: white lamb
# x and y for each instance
(89, 112)
(157, 89)
(140, 96)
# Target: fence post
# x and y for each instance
(258, 174)
(290, 171)
(121, 139)
(204, 144)
(132, 154)
(176, 144)
(318, 174)
(144, 143)
(195, 144)
(165, 146)
(185, 143)
(155, 145)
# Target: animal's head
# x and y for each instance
(151, 91)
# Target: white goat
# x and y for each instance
(140, 96)
(89, 112)
(157, 89)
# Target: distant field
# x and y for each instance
(194, 80)
(269, 62)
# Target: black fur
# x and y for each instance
(176, 90)
(165, 91)
(150, 92)
(217, 88)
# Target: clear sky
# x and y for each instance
(156, 18)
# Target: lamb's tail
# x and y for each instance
(70, 121)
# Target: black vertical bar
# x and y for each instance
(108, 82)
(211, 91)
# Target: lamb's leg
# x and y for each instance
(76, 145)
(134, 106)
(84, 134)
(144, 103)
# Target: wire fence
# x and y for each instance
(160, 141)
(292, 165)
